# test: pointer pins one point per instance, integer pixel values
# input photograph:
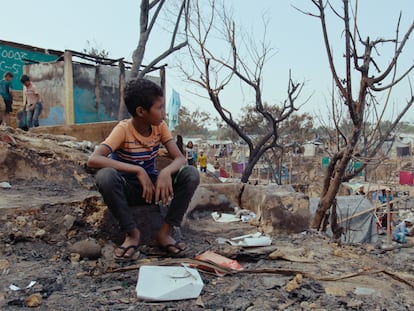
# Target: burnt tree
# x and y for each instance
(358, 98)
(150, 12)
(215, 70)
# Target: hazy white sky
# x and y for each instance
(114, 26)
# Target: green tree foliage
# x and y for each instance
(94, 50)
(192, 123)
(297, 127)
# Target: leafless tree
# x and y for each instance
(150, 12)
(239, 59)
(361, 66)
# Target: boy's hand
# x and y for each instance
(147, 186)
(163, 188)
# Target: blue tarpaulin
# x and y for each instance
(173, 107)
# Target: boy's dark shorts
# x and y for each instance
(8, 105)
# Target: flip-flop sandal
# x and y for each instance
(125, 249)
(175, 250)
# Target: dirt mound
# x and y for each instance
(58, 159)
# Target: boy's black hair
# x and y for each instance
(141, 93)
(8, 74)
(24, 78)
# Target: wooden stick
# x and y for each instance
(388, 223)
(384, 250)
(368, 210)
(227, 271)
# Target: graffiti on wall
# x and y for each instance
(12, 59)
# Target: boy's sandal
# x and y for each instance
(174, 250)
(126, 255)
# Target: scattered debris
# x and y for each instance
(335, 291)
(168, 283)
(16, 288)
(5, 185)
(248, 240)
(86, 249)
(221, 261)
(68, 221)
(224, 217)
(291, 254)
(364, 291)
(4, 264)
(34, 300)
(294, 283)
(243, 215)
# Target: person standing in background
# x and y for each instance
(202, 159)
(180, 144)
(7, 94)
(190, 153)
(195, 157)
(33, 105)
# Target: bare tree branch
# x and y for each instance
(337, 170)
(215, 71)
(146, 26)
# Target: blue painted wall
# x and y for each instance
(88, 108)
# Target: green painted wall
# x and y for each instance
(12, 59)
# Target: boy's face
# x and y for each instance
(156, 114)
(26, 83)
(8, 78)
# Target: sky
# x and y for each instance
(296, 39)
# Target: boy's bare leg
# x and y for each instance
(166, 241)
(132, 239)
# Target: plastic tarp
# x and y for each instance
(356, 216)
(173, 108)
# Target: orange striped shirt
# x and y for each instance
(129, 146)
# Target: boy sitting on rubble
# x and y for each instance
(128, 175)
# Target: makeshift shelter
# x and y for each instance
(396, 148)
(356, 216)
(403, 151)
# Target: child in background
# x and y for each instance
(128, 176)
(190, 153)
(7, 94)
(195, 157)
(33, 106)
(202, 159)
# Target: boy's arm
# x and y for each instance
(163, 187)
(99, 159)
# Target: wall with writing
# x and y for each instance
(13, 56)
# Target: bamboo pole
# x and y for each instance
(388, 221)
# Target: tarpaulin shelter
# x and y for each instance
(356, 216)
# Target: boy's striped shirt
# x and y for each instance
(128, 146)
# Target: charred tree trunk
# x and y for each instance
(357, 63)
